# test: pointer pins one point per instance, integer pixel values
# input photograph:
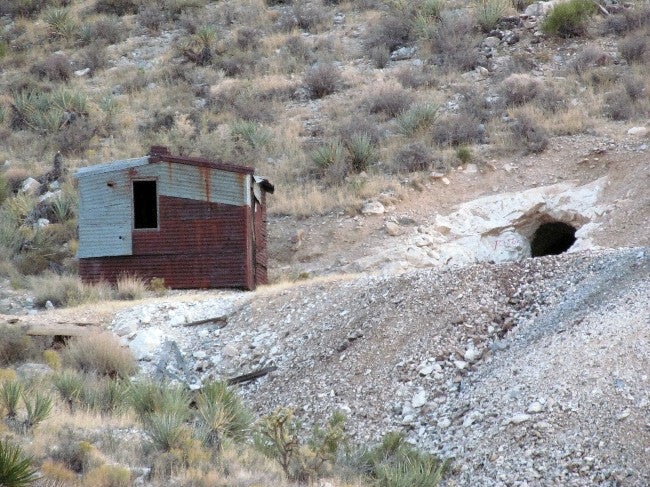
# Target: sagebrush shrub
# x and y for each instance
(529, 134)
(628, 20)
(455, 43)
(394, 29)
(131, 287)
(322, 80)
(15, 345)
(457, 129)
(589, 57)
(57, 67)
(518, 89)
(568, 19)
(618, 105)
(389, 101)
(634, 48)
(412, 157)
(380, 56)
(117, 7)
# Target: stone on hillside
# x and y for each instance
(638, 131)
(82, 72)
(42, 223)
(50, 196)
(491, 41)
(146, 343)
(403, 53)
(519, 418)
(437, 175)
(538, 9)
(419, 399)
(30, 186)
(393, 229)
(535, 407)
(471, 355)
(373, 208)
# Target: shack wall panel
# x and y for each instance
(195, 182)
(261, 254)
(104, 215)
(208, 251)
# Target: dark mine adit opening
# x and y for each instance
(552, 238)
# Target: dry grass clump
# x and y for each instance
(15, 345)
(131, 287)
(67, 290)
(628, 20)
(100, 353)
(393, 29)
(618, 105)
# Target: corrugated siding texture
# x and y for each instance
(199, 245)
(104, 214)
(199, 183)
(261, 253)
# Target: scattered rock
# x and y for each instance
(638, 131)
(535, 407)
(519, 418)
(393, 229)
(403, 53)
(373, 208)
(30, 186)
(419, 399)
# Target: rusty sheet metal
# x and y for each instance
(199, 245)
(261, 253)
(161, 154)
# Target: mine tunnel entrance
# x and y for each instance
(552, 238)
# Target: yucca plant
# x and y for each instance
(147, 398)
(490, 12)
(15, 469)
(416, 118)
(361, 152)
(69, 385)
(328, 155)
(250, 133)
(38, 410)
(222, 413)
(60, 23)
(10, 396)
(167, 431)
(200, 46)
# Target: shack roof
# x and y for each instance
(161, 154)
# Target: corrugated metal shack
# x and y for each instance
(194, 222)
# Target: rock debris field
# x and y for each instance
(534, 372)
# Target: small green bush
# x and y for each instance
(464, 154)
(328, 155)
(15, 469)
(568, 19)
(69, 384)
(361, 152)
(148, 397)
(416, 118)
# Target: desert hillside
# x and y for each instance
(458, 244)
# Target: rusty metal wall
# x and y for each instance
(199, 245)
(261, 253)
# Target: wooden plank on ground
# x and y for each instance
(58, 330)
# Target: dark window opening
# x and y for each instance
(145, 204)
(552, 239)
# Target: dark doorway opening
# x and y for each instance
(552, 239)
(145, 204)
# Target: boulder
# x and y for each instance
(638, 131)
(373, 208)
(30, 186)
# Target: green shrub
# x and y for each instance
(4, 49)
(568, 19)
(634, 48)
(9, 396)
(464, 154)
(60, 23)
(167, 431)
(389, 101)
(15, 469)
(105, 395)
(250, 134)
(100, 353)
(47, 112)
(222, 414)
